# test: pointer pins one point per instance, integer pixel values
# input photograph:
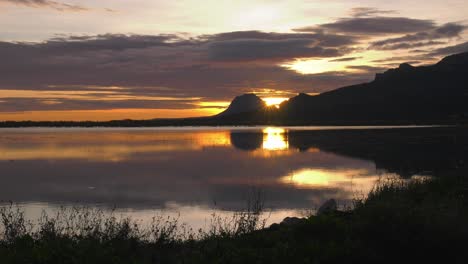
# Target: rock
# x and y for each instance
(291, 221)
(328, 207)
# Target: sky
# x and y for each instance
(142, 59)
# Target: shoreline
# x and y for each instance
(396, 221)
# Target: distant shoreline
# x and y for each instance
(237, 128)
(210, 123)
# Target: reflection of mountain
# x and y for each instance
(270, 139)
(147, 169)
(247, 140)
(407, 151)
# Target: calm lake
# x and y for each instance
(191, 173)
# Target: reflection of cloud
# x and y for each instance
(345, 179)
(194, 216)
(151, 167)
(117, 146)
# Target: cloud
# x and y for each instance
(48, 4)
(411, 45)
(369, 11)
(406, 59)
(254, 49)
(328, 40)
(459, 48)
(366, 68)
(217, 67)
(139, 71)
(256, 45)
(345, 59)
(373, 26)
(427, 38)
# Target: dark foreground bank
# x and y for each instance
(399, 222)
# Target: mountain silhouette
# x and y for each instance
(407, 94)
(435, 94)
(244, 103)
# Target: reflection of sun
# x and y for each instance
(274, 139)
(274, 101)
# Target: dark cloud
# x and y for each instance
(57, 104)
(145, 68)
(459, 48)
(427, 38)
(345, 59)
(366, 68)
(407, 59)
(369, 11)
(254, 49)
(411, 45)
(373, 26)
(255, 45)
(103, 42)
(48, 4)
(327, 40)
(397, 64)
(216, 67)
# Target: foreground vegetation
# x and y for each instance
(399, 221)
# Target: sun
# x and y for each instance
(274, 101)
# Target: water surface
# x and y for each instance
(193, 172)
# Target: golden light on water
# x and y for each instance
(316, 178)
(274, 139)
(112, 146)
(274, 101)
(310, 178)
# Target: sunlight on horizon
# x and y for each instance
(308, 66)
(274, 101)
(318, 66)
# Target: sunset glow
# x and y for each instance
(244, 131)
(101, 60)
(104, 115)
(274, 101)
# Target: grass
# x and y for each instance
(399, 221)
